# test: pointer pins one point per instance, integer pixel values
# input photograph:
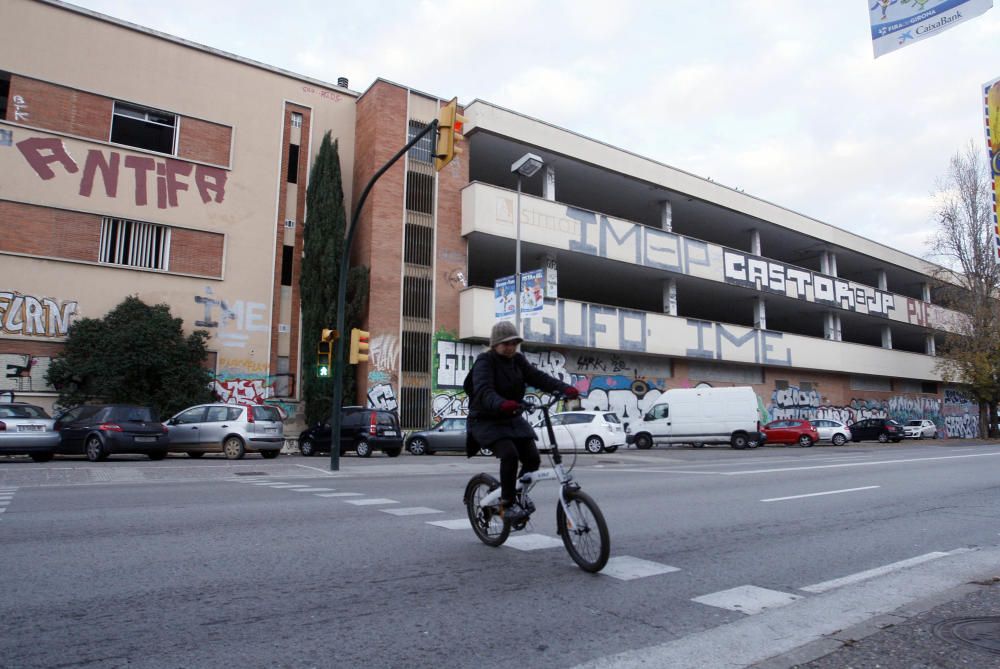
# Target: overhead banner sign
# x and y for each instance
(897, 23)
(991, 99)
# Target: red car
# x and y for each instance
(791, 431)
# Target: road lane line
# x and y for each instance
(856, 464)
(872, 573)
(817, 494)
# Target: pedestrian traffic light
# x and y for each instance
(450, 124)
(328, 335)
(324, 354)
(359, 346)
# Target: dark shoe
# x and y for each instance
(512, 512)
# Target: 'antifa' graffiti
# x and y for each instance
(381, 396)
(35, 317)
(168, 174)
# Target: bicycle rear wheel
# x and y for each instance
(585, 534)
(486, 522)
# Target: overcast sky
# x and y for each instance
(781, 98)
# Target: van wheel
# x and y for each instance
(643, 441)
(739, 441)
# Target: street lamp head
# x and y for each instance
(527, 165)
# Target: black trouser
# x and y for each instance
(510, 451)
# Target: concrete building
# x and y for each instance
(186, 186)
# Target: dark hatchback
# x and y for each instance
(361, 430)
(99, 430)
(882, 429)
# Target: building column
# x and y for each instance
(759, 313)
(831, 326)
(925, 291)
(930, 348)
(755, 242)
(886, 337)
(549, 184)
(883, 282)
(548, 261)
(666, 215)
(670, 297)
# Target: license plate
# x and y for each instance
(145, 440)
(389, 433)
(274, 429)
(30, 428)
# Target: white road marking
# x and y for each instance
(369, 502)
(532, 542)
(457, 524)
(817, 494)
(326, 472)
(627, 568)
(338, 494)
(858, 464)
(872, 573)
(269, 483)
(748, 599)
(3, 509)
(287, 485)
(314, 490)
(411, 511)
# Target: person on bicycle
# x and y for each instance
(499, 379)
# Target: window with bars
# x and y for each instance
(423, 150)
(418, 245)
(134, 244)
(416, 351)
(420, 192)
(416, 407)
(416, 297)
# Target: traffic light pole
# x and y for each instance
(345, 261)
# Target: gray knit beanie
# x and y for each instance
(504, 331)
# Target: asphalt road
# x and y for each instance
(720, 558)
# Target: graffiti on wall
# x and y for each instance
(21, 112)
(6, 137)
(717, 341)
(381, 396)
(169, 177)
(242, 391)
(230, 321)
(35, 316)
(24, 373)
(955, 417)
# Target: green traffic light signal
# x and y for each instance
(322, 370)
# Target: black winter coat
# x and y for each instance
(495, 379)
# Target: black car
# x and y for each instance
(882, 429)
(98, 430)
(361, 430)
(447, 435)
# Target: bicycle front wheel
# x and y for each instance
(487, 523)
(584, 533)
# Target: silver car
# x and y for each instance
(227, 428)
(831, 430)
(26, 429)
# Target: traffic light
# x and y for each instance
(359, 346)
(324, 352)
(450, 124)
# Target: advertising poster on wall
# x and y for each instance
(503, 296)
(532, 294)
(991, 98)
(896, 24)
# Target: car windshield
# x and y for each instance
(136, 414)
(914, 423)
(266, 413)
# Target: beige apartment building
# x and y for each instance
(186, 185)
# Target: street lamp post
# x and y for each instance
(525, 166)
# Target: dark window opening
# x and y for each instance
(287, 256)
(416, 297)
(423, 150)
(4, 93)
(416, 407)
(418, 248)
(416, 352)
(929, 387)
(420, 192)
(780, 385)
(293, 163)
(143, 128)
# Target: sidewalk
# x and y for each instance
(959, 628)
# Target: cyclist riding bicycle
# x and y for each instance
(499, 378)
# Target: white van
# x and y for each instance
(701, 416)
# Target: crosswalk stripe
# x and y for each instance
(748, 599)
(338, 494)
(313, 490)
(456, 524)
(532, 542)
(627, 568)
(370, 502)
(411, 511)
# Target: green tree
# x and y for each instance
(136, 354)
(324, 240)
(964, 242)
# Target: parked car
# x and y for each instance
(594, 431)
(883, 429)
(361, 430)
(98, 430)
(832, 430)
(447, 435)
(791, 431)
(26, 429)
(227, 428)
(918, 429)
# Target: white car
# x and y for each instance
(594, 431)
(918, 429)
(832, 430)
